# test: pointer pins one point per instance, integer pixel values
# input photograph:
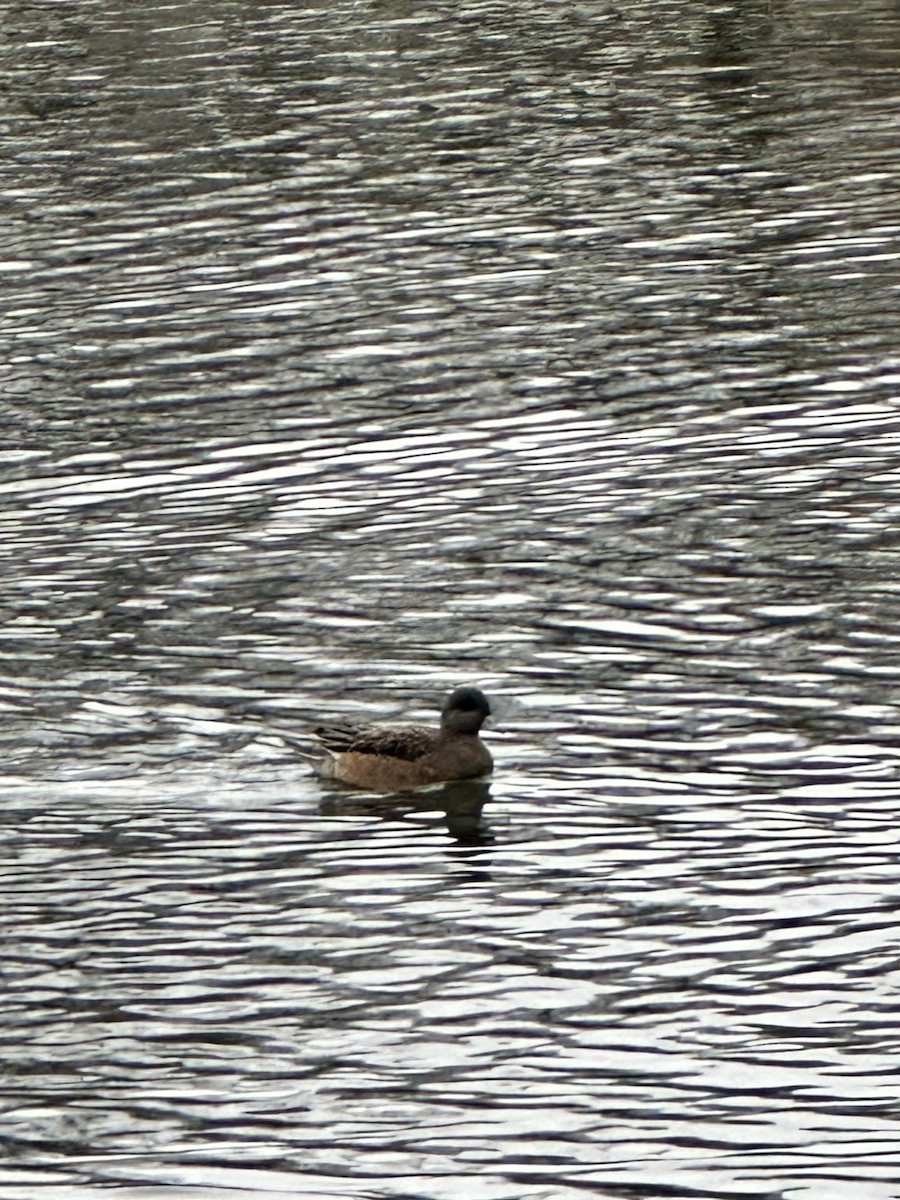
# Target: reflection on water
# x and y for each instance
(459, 805)
(355, 351)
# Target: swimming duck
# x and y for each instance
(386, 759)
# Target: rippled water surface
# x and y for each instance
(352, 351)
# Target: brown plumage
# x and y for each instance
(395, 759)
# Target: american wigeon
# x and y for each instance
(385, 759)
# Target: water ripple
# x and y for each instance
(351, 352)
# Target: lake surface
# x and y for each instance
(354, 351)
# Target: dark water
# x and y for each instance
(355, 350)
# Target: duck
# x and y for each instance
(386, 758)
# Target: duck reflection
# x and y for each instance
(460, 803)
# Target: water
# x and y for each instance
(355, 351)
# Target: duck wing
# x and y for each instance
(407, 742)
